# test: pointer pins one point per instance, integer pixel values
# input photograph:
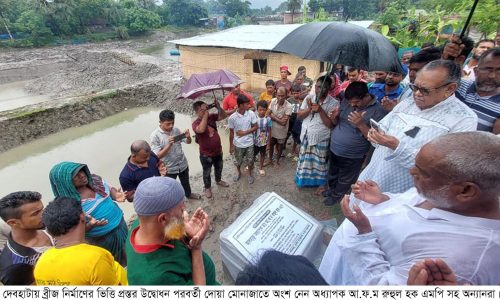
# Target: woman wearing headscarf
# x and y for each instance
(105, 225)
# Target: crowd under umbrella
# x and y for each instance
(200, 84)
(342, 43)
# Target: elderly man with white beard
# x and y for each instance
(164, 246)
(452, 214)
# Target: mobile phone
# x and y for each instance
(375, 125)
(179, 137)
(210, 106)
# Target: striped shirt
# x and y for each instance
(487, 108)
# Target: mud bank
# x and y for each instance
(29, 123)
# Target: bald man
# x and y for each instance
(452, 213)
(141, 164)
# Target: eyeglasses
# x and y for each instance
(426, 91)
(488, 70)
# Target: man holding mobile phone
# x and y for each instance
(169, 150)
(431, 112)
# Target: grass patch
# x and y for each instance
(27, 113)
(104, 96)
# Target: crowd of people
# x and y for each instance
(417, 152)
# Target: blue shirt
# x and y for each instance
(346, 139)
(378, 90)
(132, 175)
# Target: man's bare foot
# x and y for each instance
(319, 190)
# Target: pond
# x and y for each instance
(162, 51)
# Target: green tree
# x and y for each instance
(33, 24)
(141, 20)
(486, 18)
(215, 7)
(4, 16)
(236, 7)
(185, 12)
(281, 8)
(293, 6)
(393, 12)
(314, 6)
(330, 5)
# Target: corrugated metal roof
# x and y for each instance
(261, 37)
(258, 37)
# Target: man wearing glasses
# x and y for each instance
(431, 112)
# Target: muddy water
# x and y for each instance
(162, 51)
(103, 145)
(12, 95)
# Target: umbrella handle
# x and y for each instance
(468, 18)
(215, 98)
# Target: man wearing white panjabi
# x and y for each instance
(432, 111)
(453, 214)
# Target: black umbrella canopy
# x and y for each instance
(342, 43)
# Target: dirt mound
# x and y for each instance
(93, 71)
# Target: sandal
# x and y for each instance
(262, 172)
(251, 179)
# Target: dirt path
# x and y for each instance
(228, 203)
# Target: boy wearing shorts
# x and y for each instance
(242, 124)
(261, 136)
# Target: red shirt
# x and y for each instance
(346, 83)
(209, 141)
(229, 102)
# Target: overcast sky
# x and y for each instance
(263, 3)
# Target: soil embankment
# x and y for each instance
(85, 83)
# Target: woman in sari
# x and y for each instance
(106, 227)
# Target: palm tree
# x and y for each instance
(3, 7)
(294, 5)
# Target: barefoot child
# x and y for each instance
(242, 125)
(295, 123)
(263, 133)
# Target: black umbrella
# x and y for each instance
(342, 43)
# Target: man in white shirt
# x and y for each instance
(431, 112)
(242, 124)
(453, 214)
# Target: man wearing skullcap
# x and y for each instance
(164, 246)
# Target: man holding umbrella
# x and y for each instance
(205, 127)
